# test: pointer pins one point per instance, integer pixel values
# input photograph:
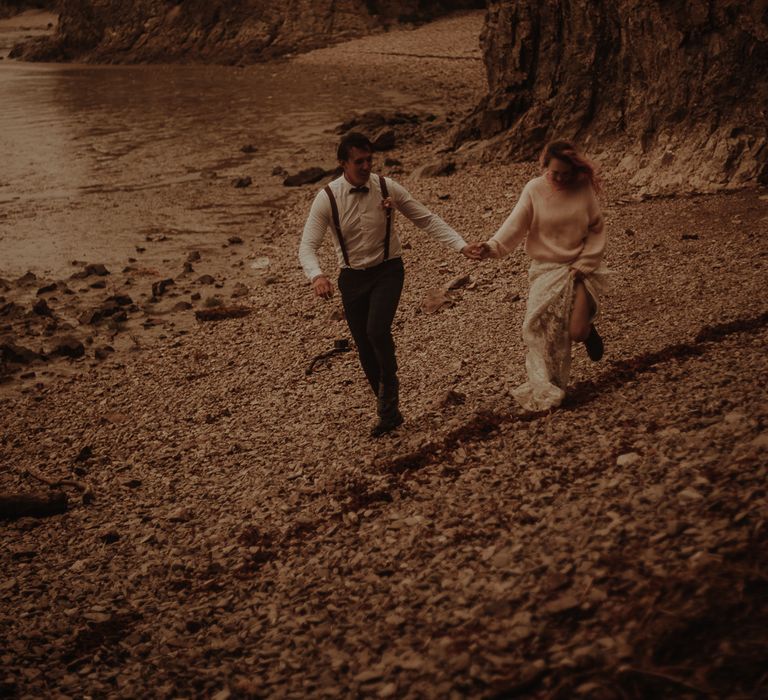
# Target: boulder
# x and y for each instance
(26, 280)
(11, 352)
(69, 346)
(91, 269)
(41, 308)
(305, 177)
(159, 287)
(384, 140)
(438, 168)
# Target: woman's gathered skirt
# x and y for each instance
(545, 332)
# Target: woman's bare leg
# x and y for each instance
(580, 325)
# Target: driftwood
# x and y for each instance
(219, 313)
(20, 505)
(85, 490)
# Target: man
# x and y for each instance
(359, 210)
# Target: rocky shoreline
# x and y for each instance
(243, 537)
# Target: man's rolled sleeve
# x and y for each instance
(312, 236)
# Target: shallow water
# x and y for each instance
(95, 158)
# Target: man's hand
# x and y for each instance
(476, 251)
(322, 287)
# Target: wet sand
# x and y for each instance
(133, 168)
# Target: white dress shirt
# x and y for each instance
(363, 225)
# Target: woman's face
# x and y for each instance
(559, 173)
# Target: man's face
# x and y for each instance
(357, 168)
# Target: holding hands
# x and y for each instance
(476, 251)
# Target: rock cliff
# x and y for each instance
(244, 31)
(8, 8)
(672, 94)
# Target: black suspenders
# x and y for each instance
(388, 210)
(337, 222)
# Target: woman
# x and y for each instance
(559, 217)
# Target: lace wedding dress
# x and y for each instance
(545, 332)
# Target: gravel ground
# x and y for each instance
(247, 539)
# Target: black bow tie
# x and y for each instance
(357, 190)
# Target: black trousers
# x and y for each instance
(370, 298)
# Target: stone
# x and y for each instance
(305, 177)
(240, 290)
(96, 269)
(92, 269)
(158, 288)
(458, 282)
(26, 280)
(69, 346)
(242, 181)
(627, 459)
(10, 352)
(47, 288)
(90, 317)
(41, 308)
(434, 300)
(103, 352)
(120, 299)
(453, 398)
(384, 140)
(438, 168)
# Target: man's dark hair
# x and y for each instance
(354, 139)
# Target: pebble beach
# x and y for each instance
(243, 537)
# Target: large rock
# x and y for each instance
(670, 95)
(217, 32)
(11, 352)
(8, 8)
(68, 346)
(306, 177)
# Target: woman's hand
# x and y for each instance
(476, 251)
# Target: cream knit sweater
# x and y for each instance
(562, 226)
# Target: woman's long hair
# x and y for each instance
(583, 170)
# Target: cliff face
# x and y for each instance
(8, 8)
(671, 93)
(118, 31)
